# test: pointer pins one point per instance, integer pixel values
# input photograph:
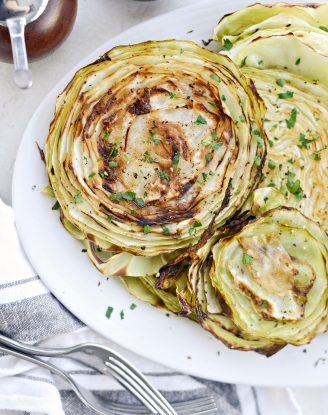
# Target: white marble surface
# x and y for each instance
(97, 21)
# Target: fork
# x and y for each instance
(197, 406)
(105, 360)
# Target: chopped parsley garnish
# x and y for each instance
(260, 141)
(206, 143)
(208, 157)
(122, 315)
(271, 164)
(166, 230)
(163, 175)
(92, 175)
(291, 161)
(216, 146)
(117, 196)
(243, 62)
(153, 139)
(258, 161)
(214, 135)
(280, 82)
(292, 120)
(223, 97)
(264, 304)
(146, 229)
(112, 164)
(78, 197)
(193, 227)
(106, 135)
(140, 202)
(271, 143)
(85, 160)
(148, 158)
(109, 311)
(204, 176)
(56, 206)
(114, 151)
(256, 132)
(298, 61)
(109, 218)
(315, 156)
(324, 28)
(286, 95)
(84, 250)
(126, 196)
(216, 78)
(214, 104)
(103, 174)
(133, 306)
(176, 158)
(227, 44)
(172, 95)
(304, 142)
(200, 120)
(247, 259)
(294, 186)
(242, 118)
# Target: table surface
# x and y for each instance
(97, 21)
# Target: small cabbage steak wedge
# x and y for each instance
(266, 285)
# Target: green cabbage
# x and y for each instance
(149, 146)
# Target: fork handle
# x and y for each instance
(54, 369)
(30, 349)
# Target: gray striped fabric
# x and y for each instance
(40, 317)
(29, 312)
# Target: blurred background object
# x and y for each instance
(43, 35)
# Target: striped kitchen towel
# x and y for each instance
(29, 312)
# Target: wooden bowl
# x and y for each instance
(46, 33)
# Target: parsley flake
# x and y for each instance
(227, 44)
(271, 164)
(216, 146)
(153, 139)
(78, 197)
(258, 161)
(193, 227)
(281, 82)
(200, 120)
(176, 158)
(294, 186)
(112, 164)
(166, 230)
(56, 206)
(292, 120)
(109, 311)
(247, 259)
(163, 175)
(286, 95)
(140, 202)
(216, 78)
(146, 229)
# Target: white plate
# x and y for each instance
(57, 257)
